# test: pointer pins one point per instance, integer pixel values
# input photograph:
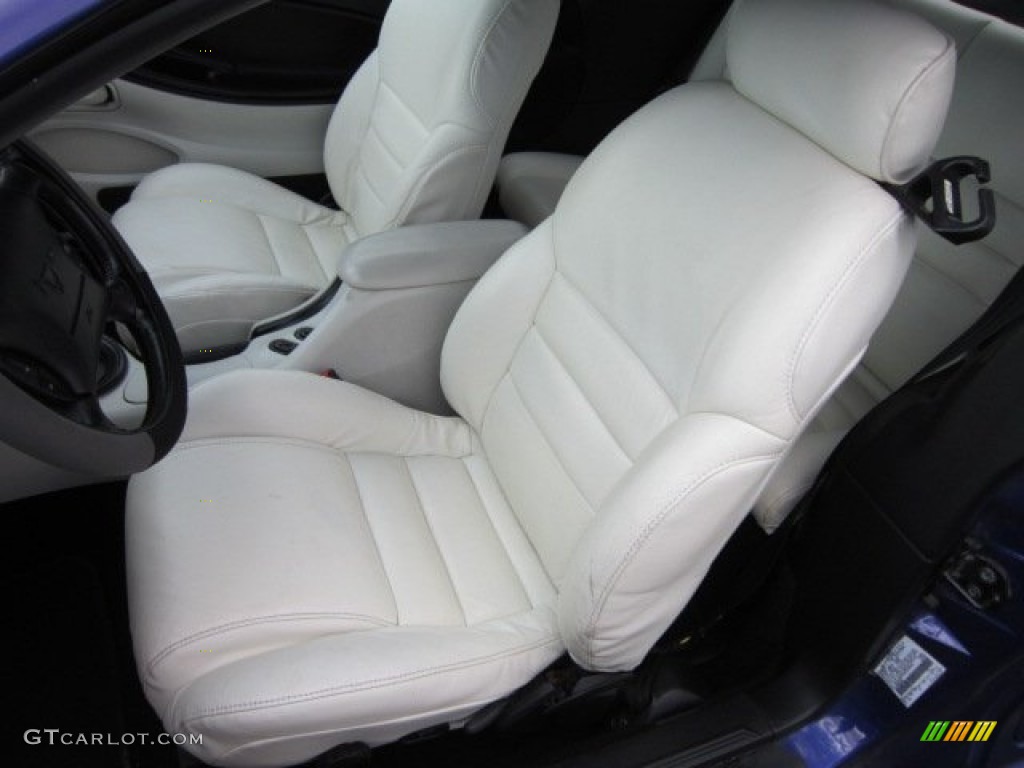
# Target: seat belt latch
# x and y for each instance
(935, 196)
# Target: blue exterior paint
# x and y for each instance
(868, 721)
(23, 23)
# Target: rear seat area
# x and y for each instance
(947, 287)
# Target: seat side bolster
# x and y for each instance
(625, 584)
(373, 686)
(321, 410)
(230, 186)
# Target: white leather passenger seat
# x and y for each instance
(316, 564)
(416, 138)
(947, 286)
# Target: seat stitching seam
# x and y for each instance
(433, 538)
(599, 315)
(648, 530)
(409, 110)
(204, 442)
(375, 131)
(312, 250)
(533, 323)
(347, 459)
(497, 533)
(279, 441)
(255, 621)
(326, 448)
(695, 382)
(316, 254)
(358, 156)
(547, 441)
(422, 181)
(474, 70)
(583, 395)
(948, 52)
(270, 245)
(369, 684)
(498, 125)
(827, 303)
(749, 425)
(369, 184)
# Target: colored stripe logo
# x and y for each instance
(959, 730)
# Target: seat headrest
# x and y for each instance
(867, 82)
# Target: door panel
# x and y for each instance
(254, 93)
(142, 129)
(284, 52)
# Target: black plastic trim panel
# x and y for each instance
(302, 313)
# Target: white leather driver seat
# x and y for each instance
(315, 564)
(415, 139)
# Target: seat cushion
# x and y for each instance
(226, 249)
(370, 550)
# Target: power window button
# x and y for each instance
(283, 346)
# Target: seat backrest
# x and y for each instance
(949, 287)
(636, 366)
(418, 133)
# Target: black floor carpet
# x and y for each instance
(61, 668)
(67, 663)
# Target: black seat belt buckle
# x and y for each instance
(936, 197)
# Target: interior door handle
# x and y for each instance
(104, 97)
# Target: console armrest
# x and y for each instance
(432, 254)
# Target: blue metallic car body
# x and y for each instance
(982, 657)
(25, 23)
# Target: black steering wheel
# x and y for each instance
(65, 277)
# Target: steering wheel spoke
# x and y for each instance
(122, 307)
(86, 410)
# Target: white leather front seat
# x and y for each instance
(315, 564)
(415, 139)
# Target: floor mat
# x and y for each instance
(60, 671)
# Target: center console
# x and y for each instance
(381, 325)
